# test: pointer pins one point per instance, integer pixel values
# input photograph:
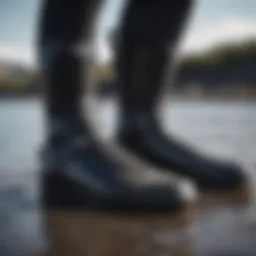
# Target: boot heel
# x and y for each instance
(59, 192)
(56, 191)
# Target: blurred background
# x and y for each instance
(216, 57)
(211, 103)
(215, 70)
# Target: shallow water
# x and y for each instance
(222, 129)
(225, 129)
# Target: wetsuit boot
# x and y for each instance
(144, 49)
(77, 172)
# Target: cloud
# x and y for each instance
(17, 53)
(230, 29)
(197, 38)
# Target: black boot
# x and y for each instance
(77, 171)
(142, 57)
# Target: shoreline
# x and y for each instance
(179, 98)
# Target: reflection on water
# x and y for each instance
(218, 226)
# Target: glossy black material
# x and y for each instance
(141, 66)
(153, 145)
(77, 173)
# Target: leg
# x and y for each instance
(148, 35)
(64, 26)
(77, 171)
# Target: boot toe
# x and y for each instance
(163, 198)
(233, 176)
(224, 176)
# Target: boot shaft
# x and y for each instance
(144, 51)
(64, 50)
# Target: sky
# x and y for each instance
(212, 22)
